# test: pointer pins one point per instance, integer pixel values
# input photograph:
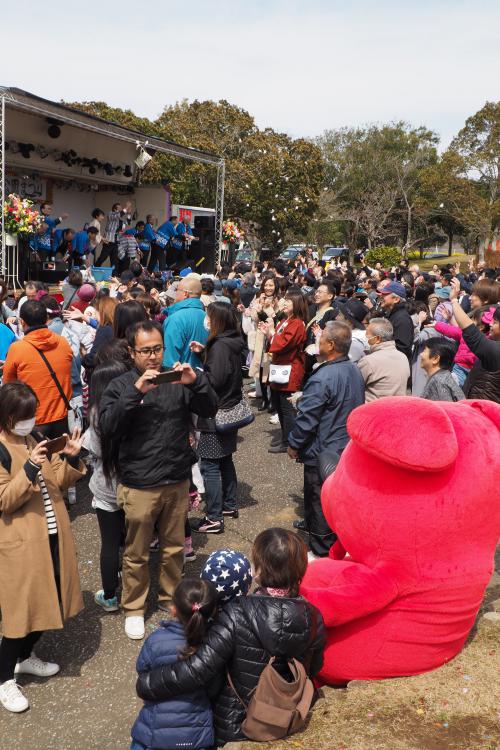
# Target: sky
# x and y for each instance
(298, 66)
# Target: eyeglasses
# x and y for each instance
(148, 351)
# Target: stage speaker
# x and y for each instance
(202, 253)
(53, 271)
(204, 222)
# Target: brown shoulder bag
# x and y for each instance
(277, 708)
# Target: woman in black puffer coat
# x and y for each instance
(274, 621)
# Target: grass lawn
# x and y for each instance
(427, 263)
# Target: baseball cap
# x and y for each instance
(170, 293)
(394, 287)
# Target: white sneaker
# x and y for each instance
(252, 394)
(274, 419)
(134, 627)
(311, 557)
(12, 698)
(72, 495)
(34, 665)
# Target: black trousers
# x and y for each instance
(109, 250)
(51, 430)
(285, 411)
(321, 537)
(13, 650)
(158, 255)
(112, 529)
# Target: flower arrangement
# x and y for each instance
(21, 216)
(231, 232)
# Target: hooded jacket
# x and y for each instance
(246, 634)
(183, 324)
(24, 363)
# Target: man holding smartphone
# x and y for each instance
(149, 425)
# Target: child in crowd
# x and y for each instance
(230, 572)
(185, 721)
(102, 484)
(273, 621)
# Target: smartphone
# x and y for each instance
(56, 445)
(168, 376)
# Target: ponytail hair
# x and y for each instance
(196, 603)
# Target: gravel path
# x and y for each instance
(91, 703)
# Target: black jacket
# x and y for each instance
(483, 381)
(223, 367)
(245, 635)
(403, 329)
(153, 429)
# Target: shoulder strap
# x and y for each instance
(5, 458)
(53, 375)
(68, 303)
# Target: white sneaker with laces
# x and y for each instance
(34, 665)
(12, 698)
(274, 419)
(134, 627)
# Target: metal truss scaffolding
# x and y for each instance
(22, 100)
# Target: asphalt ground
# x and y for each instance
(91, 703)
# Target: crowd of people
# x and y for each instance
(144, 376)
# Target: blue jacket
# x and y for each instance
(182, 722)
(182, 229)
(330, 394)
(167, 232)
(7, 337)
(80, 243)
(149, 233)
(183, 324)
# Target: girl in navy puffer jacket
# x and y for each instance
(186, 721)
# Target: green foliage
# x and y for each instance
(386, 255)
(272, 181)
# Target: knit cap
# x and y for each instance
(230, 572)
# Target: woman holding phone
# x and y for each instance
(39, 581)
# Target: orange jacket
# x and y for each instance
(24, 363)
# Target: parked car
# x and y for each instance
(330, 253)
(244, 255)
(291, 252)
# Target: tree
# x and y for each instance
(272, 181)
(372, 178)
(477, 151)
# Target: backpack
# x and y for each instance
(277, 708)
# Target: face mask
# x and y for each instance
(206, 323)
(24, 427)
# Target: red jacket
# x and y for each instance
(287, 347)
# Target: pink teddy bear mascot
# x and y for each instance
(414, 501)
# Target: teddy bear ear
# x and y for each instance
(489, 408)
(408, 432)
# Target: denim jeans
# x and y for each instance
(221, 485)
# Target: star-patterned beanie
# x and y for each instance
(230, 572)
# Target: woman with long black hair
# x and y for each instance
(222, 361)
(102, 484)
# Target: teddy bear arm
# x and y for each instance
(344, 591)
